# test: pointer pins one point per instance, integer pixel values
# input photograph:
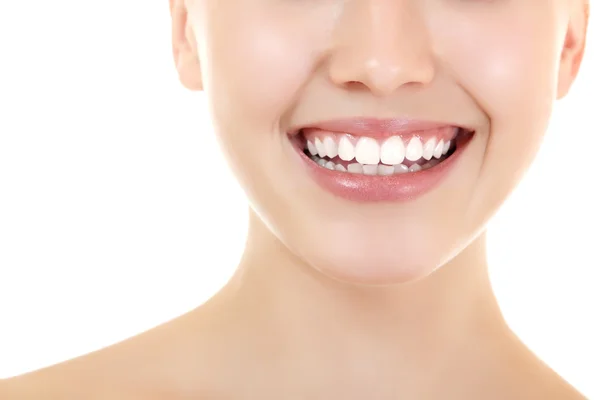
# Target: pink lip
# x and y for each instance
(392, 188)
(376, 128)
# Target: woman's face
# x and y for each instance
(399, 74)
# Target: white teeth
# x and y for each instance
(430, 164)
(320, 148)
(346, 149)
(373, 159)
(355, 168)
(439, 149)
(446, 147)
(367, 151)
(400, 169)
(428, 149)
(392, 151)
(414, 150)
(385, 170)
(370, 169)
(311, 148)
(330, 147)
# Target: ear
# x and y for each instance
(574, 45)
(185, 50)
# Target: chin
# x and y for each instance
(365, 275)
(376, 265)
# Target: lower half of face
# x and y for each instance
(377, 139)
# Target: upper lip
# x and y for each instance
(376, 127)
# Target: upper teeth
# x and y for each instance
(331, 148)
(346, 149)
(368, 151)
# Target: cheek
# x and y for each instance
(508, 64)
(261, 58)
(254, 65)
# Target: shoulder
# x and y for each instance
(551, 386)
(528, 377)
(158, 364)
(548, 386)
(106, 374)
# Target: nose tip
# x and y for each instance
(380, 77)
(381, 49)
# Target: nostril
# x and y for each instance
(356, 86)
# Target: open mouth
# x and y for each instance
(393, 155)
(371, 160)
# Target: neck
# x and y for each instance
(419, 322)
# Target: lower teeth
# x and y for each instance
(377, 169)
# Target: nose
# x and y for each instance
(381, 45)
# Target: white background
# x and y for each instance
(117, 212)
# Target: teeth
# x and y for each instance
(355, 168)
(320, 148)
(346, 149)
(414, 150)
(367, 151)
(330, 147)
(385, 170)
(430, 164)
(400, 169)
(311, 148)
(428, 149)
(446, 148)
(370, 169)
(439, 149)
(374, 159)
(392, 151)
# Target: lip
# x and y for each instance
(377, 128)
(391, 188)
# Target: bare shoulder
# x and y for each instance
(546, 385)
(155, 365)
(550, 386)
(116, 372)
(525, 376)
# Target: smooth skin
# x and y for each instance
(334, 299)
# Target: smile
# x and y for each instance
(369, 156)
(380, 160)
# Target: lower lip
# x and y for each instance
(391, 188)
